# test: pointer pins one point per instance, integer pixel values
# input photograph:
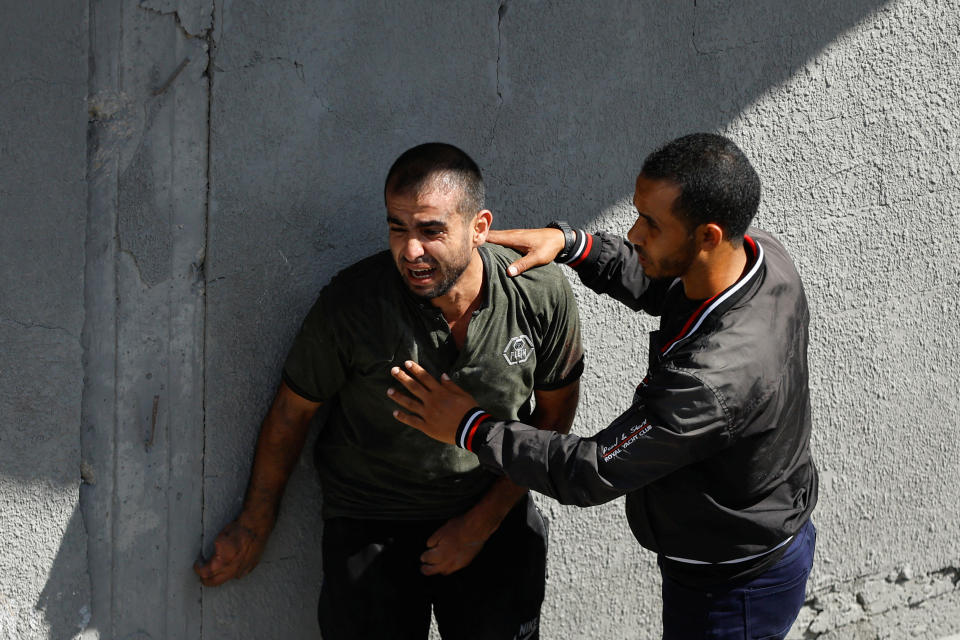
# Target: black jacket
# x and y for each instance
(713, 454)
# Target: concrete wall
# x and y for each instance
(44, 587)
(234, 160)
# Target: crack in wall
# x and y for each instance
(117, 126)
(201, 277)
(259, 60)
(39, 325)
(501, 12)
(867, 598)
(107, 126)
(203, 34)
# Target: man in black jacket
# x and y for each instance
(713, 453)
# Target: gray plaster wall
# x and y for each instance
(44, 587)
(180, 177)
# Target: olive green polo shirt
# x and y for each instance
(524, 336)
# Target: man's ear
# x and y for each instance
(711, 235)
(481, 226)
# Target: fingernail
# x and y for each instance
(408, 364)
(444, 377)
(395, 370)
(512, 270)
(390, 391)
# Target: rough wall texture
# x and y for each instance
(44, 590)
(146, 236)
(234, 160)
(842, 105)
(870, 121)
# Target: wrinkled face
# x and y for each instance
(430, 240)
(665, 245)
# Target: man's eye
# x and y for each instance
(432, 232)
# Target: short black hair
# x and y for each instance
(437, 164)
(717, 182)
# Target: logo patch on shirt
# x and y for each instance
(518, 349)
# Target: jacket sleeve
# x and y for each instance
(674, 421)
(608, 264)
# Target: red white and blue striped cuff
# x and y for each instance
(581, 248)
(468, 427)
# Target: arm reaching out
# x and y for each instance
(238, 548)
(455, 544)
(654, 437)
(539, 246)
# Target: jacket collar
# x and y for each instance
(723, 300)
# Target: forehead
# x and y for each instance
(436, 203)
(655, 198)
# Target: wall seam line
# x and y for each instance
(209, 37)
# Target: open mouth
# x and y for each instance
(421, 274)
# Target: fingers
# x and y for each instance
(429, 556)
(420, 374)
(439, 562)
(231, 558)
(518, 267)
(536, 257)
(414, 378)
(433, 569)
(433, 562)
(201, 568)
(403, 378)
(214, 572)
(409, 419)
(405, 401)
(219, 569)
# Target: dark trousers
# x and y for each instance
(373, 588)
(762, 609)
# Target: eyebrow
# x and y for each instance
(420, 225)
(648, 218)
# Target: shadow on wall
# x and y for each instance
(587, 99)
(63, 600)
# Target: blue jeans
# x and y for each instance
(762, 609)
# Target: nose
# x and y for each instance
(635, 235)
(412, 250)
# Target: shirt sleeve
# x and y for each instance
(608, 264)
(674, 421)
(317, 361)
(560, 352)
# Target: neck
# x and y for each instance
(714, 271)
(465, 294)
